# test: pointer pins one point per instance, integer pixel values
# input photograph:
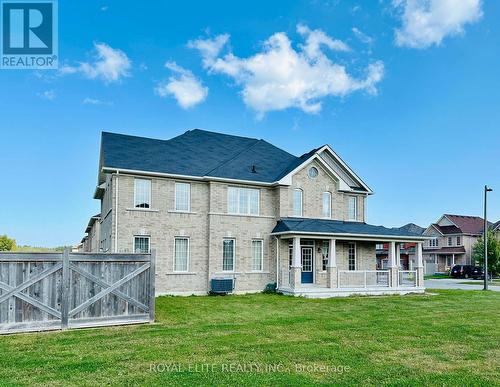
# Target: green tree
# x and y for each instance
(493, 252)
(6, 243)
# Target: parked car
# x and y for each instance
(467, 271)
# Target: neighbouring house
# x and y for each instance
(91, 241)
(450, 242)
(407, 252)
(496, 228)
(215, 206)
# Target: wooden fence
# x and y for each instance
(45, 291)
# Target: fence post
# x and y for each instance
(65, 289)
(152, 273)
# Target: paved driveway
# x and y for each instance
(452, 283)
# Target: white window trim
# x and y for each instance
(329, 216)
(175, 196)
(261, 255)
(234, 255)
(188, 255)
(150, 195)
(355, 208)
(238, 212)
(449, 242)
(301, 203)
(142, 236)
(355, 256)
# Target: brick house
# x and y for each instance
(450, 241)
(219, 206)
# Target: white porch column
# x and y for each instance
(453, 260)
(398, 255)
(393, 266)
(420, 264)
(296, 268)
(331, 268)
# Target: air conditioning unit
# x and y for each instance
(222, 285)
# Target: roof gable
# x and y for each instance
(467, 224)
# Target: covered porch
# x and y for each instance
(327, 258)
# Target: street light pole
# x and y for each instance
(485, 237)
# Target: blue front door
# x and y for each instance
(307, 265)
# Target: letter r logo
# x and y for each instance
(27, 28)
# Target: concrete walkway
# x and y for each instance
(452, 283)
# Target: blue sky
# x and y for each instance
(405, 91)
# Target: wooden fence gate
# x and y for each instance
(44, 291)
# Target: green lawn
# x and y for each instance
(436, 276)
(451, 337)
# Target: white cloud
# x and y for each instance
(281, 77)
(183, 86)
(209, 48)
(363, 38)
(95, 101)
(110, 65)
(428, 22)
(49, 95)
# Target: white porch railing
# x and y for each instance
(407, 278)
(363, 278)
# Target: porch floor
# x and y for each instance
(318, 291)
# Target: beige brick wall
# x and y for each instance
(312, 195)
(208, 223)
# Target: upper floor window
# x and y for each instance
(257, 255)
(450, 241)
(182, 196)
(459, 241)
(351, 255)
(352, 211)
(434, 242)
(327, 205)
(379, 246)
(181, 254)
(228, 254)
(297, 202)
(243, 201)
(141, 244)
(142, 193)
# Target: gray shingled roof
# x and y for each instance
(326, 226)
(197, 153)
(200, 153)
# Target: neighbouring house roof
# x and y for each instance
(445, 250)
(327, 226)
(445, 230)
(203, 154)
(412, 228)
(467, 224)
(495, 226)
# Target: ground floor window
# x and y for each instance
(325, 249)
(257, 255)
(351, 254)
(228, 254)
(141, 244)
(290, 254)
(181, 254)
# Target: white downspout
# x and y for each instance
(277, 261)
(116, 213)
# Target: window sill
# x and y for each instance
(180, 212)
(241, 215)
(143, 209)
(227, 273)
(257, 272)
(181, 273)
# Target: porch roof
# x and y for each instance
(340, 228)
(446, 250)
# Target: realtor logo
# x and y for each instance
(29, 34)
